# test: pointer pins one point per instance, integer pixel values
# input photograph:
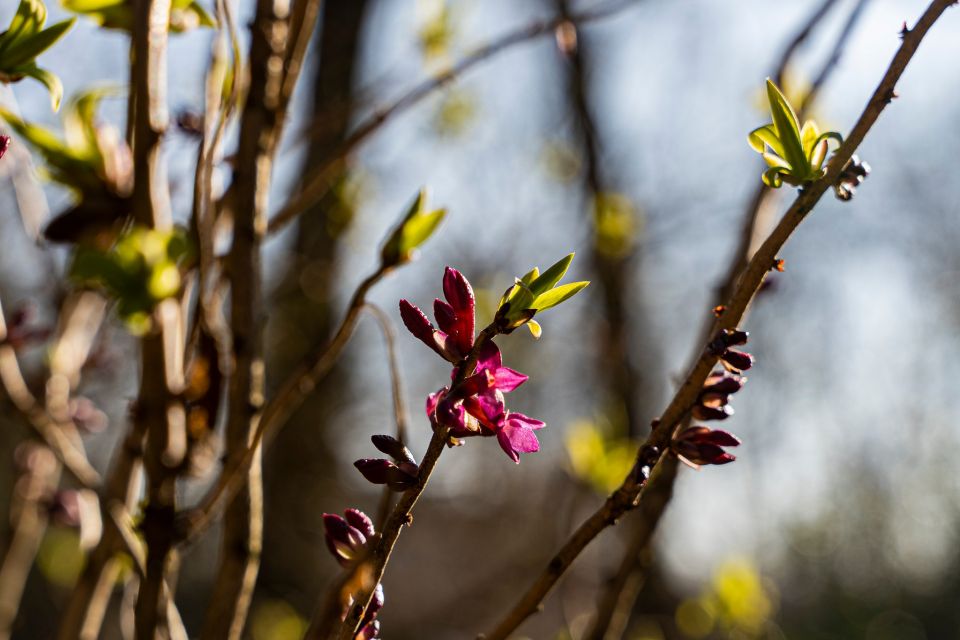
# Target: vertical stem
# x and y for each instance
(260, 127)
(158, 408)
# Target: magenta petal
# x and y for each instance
(507, 446)
(489, 357)
(432, 401)
(491, 404)
(506, 379)
(526, 421)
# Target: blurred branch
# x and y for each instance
(159, 408)
(834, 58)
(29, 515)
(396, 389)
(274, 66)
(618, 598)
(631, 491)
(612, 266)
(278, 410)
(318, 183)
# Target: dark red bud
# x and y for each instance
(457, 291)
(393, 448)
(343, 541)
(739, 360)
(723, 383)
(4, 144)
(416, 322)
(359, 521)
(379, 471)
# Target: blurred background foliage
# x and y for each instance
(840, 517)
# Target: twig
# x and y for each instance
(317, 184)
(801, 36)
(396, 389)
(277, 411)
(158, 406)
(626, 496)
(402, 512)
(620, 595)
(260, 127)
(31, 491)
(834, 58)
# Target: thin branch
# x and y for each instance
(316, 185)
(292, 393)
(158, 406)
(402, 514)
(627, 495)
(30, 515)
(834, 58)
(260, 126)
(801, 37)
(396, 389)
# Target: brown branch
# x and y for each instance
(29, 516)
(316, 185)
(260, 124)
(292, 393)
(617, 600)
(402, 514)
(158, 406)
(396, 391)
(626, 496)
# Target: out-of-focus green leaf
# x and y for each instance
(28, 20)
(24, 49)
(24, 40)
(185, 15)
(414, 229)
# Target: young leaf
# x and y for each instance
(557, 295)
(788, 128)
(549, 278)
(412, 231)
(26, 48)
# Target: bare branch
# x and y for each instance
(631, 490)
(317, 185)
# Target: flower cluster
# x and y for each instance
(347, 538)
(474, 406)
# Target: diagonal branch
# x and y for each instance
(316, 185)
(632, 490)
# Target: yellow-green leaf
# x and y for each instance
(549, 278)
(555, 296)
